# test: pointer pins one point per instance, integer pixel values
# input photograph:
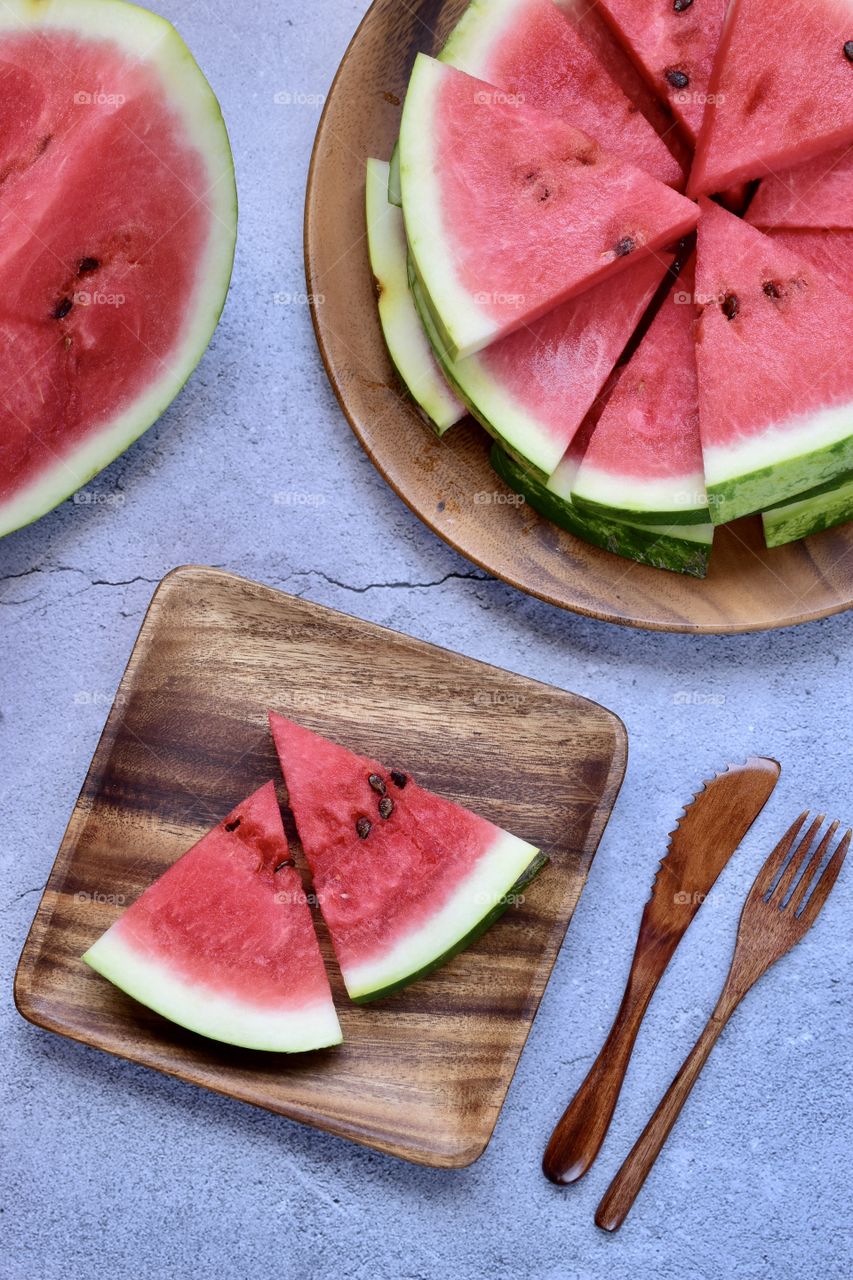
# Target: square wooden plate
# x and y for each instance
(422, 1074)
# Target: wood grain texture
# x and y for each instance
(422, 1074)
(449, 484)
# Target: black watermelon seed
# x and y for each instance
(848, 50)
(232, 826)
(377, 783)
(62, 308)
(363, 828)
(730, 305)
(678, 79)
(399, 779)
(288, 862)
(625, 246)
(386, 807)
(680, 5)
(772, 289)
(86, 266)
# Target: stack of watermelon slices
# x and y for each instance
(536, 263)
(224, 945)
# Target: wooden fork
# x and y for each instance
(773, 920)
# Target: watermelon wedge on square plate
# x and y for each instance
(224, 944)
(405, 879)
(532, 390)
(644, 460)
(510, 211)
(775, 373)
(781, 91)
(408, 345)
(117, 232)
(673, 42)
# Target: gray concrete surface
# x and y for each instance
(113, 1171)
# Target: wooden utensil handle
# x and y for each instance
(576, 1140)
(625, 1187)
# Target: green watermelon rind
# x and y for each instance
(632, 493)
(408, 346)
(209, 1013)
(813, 513)
(507, 899)
(190, 94)
(780, 481)
(395, 193)
(681, 549)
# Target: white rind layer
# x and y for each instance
(150, 39)
(468, 326)
(219, 1017)
(632, 493)
(481, 28)
(782, 442)
(490, 882)
(407, 343)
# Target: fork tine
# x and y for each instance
(774, 863)
(811, 867)
(824, 885)
(797, 859)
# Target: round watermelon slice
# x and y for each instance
(117, 233)
(531, 50)
(405, 879)
(644, 461)
(510, 211)
(224, 944)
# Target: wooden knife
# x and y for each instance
(710, 829)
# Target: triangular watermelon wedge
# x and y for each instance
(644, 460)
(673, 42)
(530, 49)
(224, 944)
(830, 251)
(781, 90)
(510, 211)
(405, 879)
(532, 390)
(816, 194)
(775, 369)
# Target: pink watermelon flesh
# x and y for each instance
(224, 943)
(412, 889)
(532, 390)
(104, 220)
(673, 42)
(522, 212)
(830, 251)
(781, 91)
(818, 193)
(644, 460)
(528, 48)
(595, 30)
(775, 365)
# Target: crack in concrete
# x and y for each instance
(387, 586)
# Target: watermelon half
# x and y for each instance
(405, 879)
(673, 42)
(117, 233)
(510, 211)
(816, 194)
(781, 90)
(532, 51)
(644, 461)
(404, 335)
(224, 944)
(532, 390)
(775, 369)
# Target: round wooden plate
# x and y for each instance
(449, 483)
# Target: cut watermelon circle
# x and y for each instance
(117, 227)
